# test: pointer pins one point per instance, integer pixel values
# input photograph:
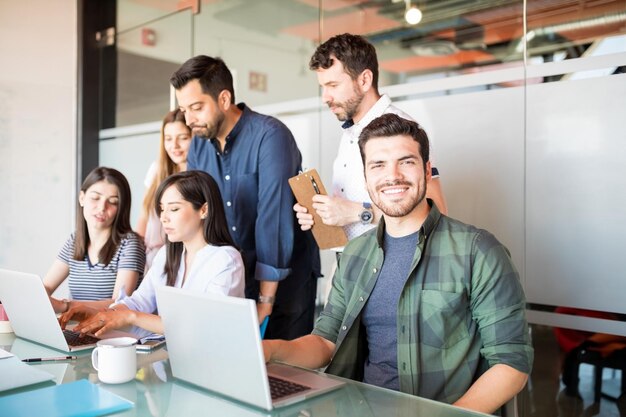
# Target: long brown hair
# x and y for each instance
(198, 188)
(121, 223)
(165, 166)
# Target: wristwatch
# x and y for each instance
(266, 299)
(366, 215)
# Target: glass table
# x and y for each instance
(155, 392)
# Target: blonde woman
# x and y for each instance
(173, 147)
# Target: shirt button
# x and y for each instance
(226, 151)
(234, 228)
(361, 299)
(228, 203)
(227, 177)
(344, 328)
(342, 190)
(345, 165)
(351, 142)
(374, 270)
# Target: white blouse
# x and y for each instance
(214, 270)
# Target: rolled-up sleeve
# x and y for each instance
(498, 306)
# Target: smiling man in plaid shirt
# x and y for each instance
(424, 304)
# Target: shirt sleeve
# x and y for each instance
(330, 319)
(132, 254)
(144, 298)
(67, 251)
(150, 175)
(498, 305)
(227, 273)
(279, 159)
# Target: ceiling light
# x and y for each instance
(413, 15)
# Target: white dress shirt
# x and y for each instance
(348, 177)
(214, 270)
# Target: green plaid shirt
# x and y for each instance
(461, 310)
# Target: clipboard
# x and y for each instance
(304, 187)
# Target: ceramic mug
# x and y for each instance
(115, 360)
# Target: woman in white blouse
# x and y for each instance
(199, 255)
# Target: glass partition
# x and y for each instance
(523, 101)
(516, 96)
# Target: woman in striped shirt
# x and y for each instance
(199, 255)
(103, 256)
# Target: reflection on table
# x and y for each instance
(157, 393)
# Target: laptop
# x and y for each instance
(214, 342)
(31, 314)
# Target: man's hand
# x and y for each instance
(263, 310)
(268, 349)
(305, 219)
(336, 211)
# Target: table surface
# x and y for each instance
(155, 392)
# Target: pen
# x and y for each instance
(55, 359)
(315, 187)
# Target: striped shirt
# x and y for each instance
(461, 311)
(96, 282)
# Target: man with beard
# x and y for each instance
(251, 156)
(347, 71)
(424, 304)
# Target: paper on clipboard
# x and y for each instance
(304, 187)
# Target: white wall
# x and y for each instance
(37, 130)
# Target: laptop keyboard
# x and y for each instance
(280, 388)
(73, 338)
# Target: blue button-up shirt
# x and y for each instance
(259, 157)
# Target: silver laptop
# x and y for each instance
(214, 342)
(31, 315)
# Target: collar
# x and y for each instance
(245, 114)
(378, 109)
(347, 124)
(428, 226)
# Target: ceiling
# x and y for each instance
(453, 34)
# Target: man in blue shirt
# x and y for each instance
(251, 156)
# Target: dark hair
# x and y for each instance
(121, 223)
(355, 53)
(198, 188)
(393, 125)
(212, 73)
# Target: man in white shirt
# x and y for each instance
(347, 71)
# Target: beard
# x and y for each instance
(401, 208)
(349, 107)
(206, 131)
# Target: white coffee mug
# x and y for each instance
(115, 360)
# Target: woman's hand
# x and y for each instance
(59, 306)
(104, 321)
(77, 311)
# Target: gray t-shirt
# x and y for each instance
(379, 314)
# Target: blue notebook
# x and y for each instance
(76, 399)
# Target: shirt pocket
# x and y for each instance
(443, 318)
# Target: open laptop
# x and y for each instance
(32, 317)
(214, 342)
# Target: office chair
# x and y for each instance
(591, 354)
